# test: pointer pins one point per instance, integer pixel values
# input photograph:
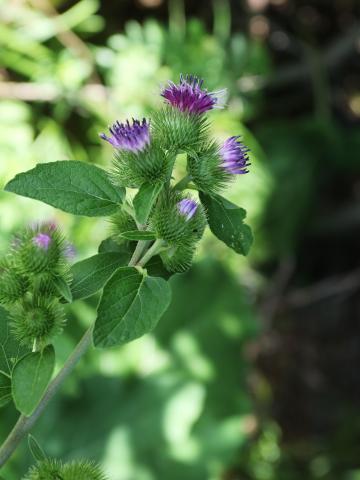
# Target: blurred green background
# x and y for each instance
(253, 373)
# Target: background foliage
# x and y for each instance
(252, 372)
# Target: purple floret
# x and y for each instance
(189, 96)
(42, 240)
(187, 207)
(235, 156)
(134, 137)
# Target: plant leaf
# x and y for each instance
(110, 245)
(226, 222)
(36, 451)
(63, 288)
(145, 199)
(75, 187)
(30, 377)
(5, 389)
(131, 305)
(139, 235)
(90, 275)
(10, 350)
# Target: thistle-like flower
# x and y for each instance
(187, 207)
(234, 156)
(190, 96)
(133, 137)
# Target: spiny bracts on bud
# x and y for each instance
(178, 258)
(177, 219)
(179, 131)
(51, 469)
(206, 170)
(13, 285)
(121, 222)
(36, 319)
(41, 249)
(133, 169)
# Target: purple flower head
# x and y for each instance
(42, 240)
(125, 136)
(189, 96)
(187, 207)
(234, 156)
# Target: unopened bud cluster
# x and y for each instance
(145, 153)
(29, 284)
(50, 469)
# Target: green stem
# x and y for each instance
(140, 247)
(24, 424)
(153, 250)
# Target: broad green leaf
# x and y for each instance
(63, 288)
(110, 245)
(75, 187)
(5, 389)
(91, 274)
(30, 377)
(131, 305)
(10, 350)
(226, 222)
(36, 451)
(145, 199)
(139, 235)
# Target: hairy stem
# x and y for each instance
(153, 250)
(140, 247)
(24, 424)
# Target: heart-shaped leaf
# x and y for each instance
(226, 221)
(30, 377)
(90, 275)
(10, 350)
(75, 187)
(131, 305)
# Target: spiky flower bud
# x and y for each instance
(180, 221)
(179, 131)
(148, 166)
(121, 222)
(178, 258)
(37, 318)
(176, 219)
(51, 469)
(41, 249)
(206, 170)
(13, 286)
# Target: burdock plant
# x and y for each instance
(153, 234)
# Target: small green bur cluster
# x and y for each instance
(32, 278)
(51, 469)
